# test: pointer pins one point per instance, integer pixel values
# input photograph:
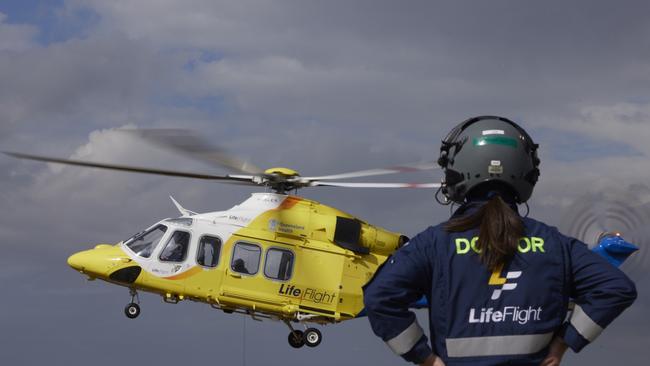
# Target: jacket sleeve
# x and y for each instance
(402, 280)
(600, 291)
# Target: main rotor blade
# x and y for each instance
(191, 144)
(374, 185)
(405, 168)
(225, 179)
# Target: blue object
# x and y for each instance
(420, 304)
(615, 249)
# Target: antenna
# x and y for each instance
(183, 211)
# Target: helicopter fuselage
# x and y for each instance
(275, 256)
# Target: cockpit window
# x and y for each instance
(145, 243)
(176, 248)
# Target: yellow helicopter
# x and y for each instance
(274, 256)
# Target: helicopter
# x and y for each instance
(274, 256)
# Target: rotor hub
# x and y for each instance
(282, 179)
(285, 172)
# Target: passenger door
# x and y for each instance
(244, 279)
(204, 280)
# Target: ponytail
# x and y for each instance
(499, 232)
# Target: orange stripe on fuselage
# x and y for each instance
(289, 202)
(189, 273)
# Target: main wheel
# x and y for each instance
(296, 339)
(313, 337)
(132, 310)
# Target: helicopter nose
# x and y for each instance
(76, 261)
(87, 262)
(100, 261)
(93, 262)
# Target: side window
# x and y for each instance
(176, 248)
(246, 258)
(209, 249)
(278, 264)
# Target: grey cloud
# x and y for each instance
(15, 37)
(80, 83)
(503, 54)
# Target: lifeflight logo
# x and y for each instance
(515, 314)
(316, 296)
(497, 280)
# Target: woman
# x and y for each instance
(498, 284)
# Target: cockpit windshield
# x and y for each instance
(144, 244)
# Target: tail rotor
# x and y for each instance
(609, 222)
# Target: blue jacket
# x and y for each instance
(508, 316)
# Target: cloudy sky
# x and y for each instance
(320, 86)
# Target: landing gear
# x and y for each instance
(132, 310)
(296, 339)
(312, 337)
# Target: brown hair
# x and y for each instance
(499, 233)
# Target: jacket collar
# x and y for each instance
(470, 207)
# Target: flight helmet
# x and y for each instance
(488, 149)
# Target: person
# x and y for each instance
(498, 285)
(239, 266)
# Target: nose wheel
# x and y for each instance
(132, 309)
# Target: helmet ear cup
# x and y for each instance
(443, 160)
(452, 189)
(532, 176)
(453, 177)
(536, 160)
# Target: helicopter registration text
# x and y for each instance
(308, 294)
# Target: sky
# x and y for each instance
(322, 87)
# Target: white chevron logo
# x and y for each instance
(497, 280)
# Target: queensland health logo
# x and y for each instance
(505, 283)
